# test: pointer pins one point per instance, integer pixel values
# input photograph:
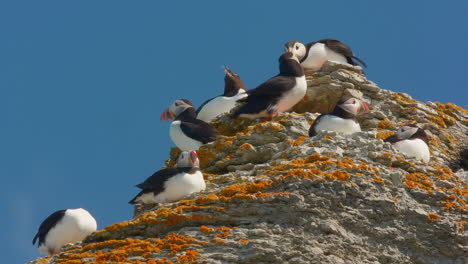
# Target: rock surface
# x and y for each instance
(276, 196)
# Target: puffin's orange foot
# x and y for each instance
(264, 119)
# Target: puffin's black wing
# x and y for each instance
(312, 131)
(343, 49)
(266, 94)
(199, 130)
(48, 224)
(156, 181)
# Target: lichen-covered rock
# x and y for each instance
(275, 195)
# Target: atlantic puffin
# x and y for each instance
(234, 89)
(313, 55)
(278, 94)
(342, 119)
(411, 140)
(63, 227)
(172, 184)
(186, 131)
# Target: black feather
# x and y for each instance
(196, 129)
(155, 183)
(47, 225)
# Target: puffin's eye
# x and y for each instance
(297, 47)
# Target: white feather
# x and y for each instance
(219, 105)
(75, 225)
(415, 148)
(293, 96)
(337, 124)
(176, 188)
(182, 141)
(319, 54)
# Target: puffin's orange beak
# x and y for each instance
(193, 156)
(167, 115)
(363, 108)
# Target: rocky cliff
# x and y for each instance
(275, 195)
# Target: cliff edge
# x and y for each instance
(274, 195)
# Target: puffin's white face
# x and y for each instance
(188, 159)
(354, 106)
(174, 110)
(296, 48)
(405, 132)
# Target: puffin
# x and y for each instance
(278, 94)
(313, 55)
(186, 131)
(63, 227)
(412, 141)
(234, 89)
(342, 119)
(172, 184)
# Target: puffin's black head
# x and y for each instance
(188, 159)
(232, 83)
(411, 131)
(296, 48)
(175, 109)
(289, 65)
(350, 108)
(408, 131)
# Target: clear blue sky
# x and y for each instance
(83, 83)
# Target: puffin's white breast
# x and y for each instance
(180, 185)
(182, 141)
(337, 124)
(416, 148)
(219, 105)
(75, 225)
(319, 53)
(293, 96)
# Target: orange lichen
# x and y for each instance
(245, 146)
(338, 175)
(384, 135)
(189, 257)
(461, 225)
(433, 217)
(449, 204)
(378, 180)
(206, 156)
(217, 241)
(251, 187)
(399, 97)
(385, 125)
(119, 250)
(416, 179)
(43, 260)
(244, 241)
(394, 199)
(206, 230)
(299, 140)
(316, 157)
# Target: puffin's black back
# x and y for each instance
(338, 47)
(46, 225)
(155, 182)
(269, 92)
(196, 128)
